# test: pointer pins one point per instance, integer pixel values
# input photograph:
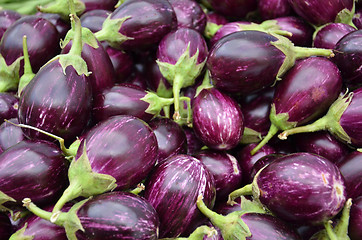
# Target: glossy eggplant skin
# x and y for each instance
(351, 170)
(301, 188)
(270, 9)
(5, 226)
(244, 62)
(7, 17)
(42, 40)
(118, 215)
(330, 34)
(233, 8)
(10, 134)
(172, 189)
(262, 162)
(122, 63)
(217, 119)
(348, 57)
(62, 26)
(93, 20)
(8, 106)
(308, 89)
(355, 221)
(96, 4)
(34, 169)
(319, 12)
(56, 102)
(122, 146)
(149, 22)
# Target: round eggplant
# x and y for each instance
(330, 34)
(7, 18)
(270, 9)
(351, 170)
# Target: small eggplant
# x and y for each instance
(262, 162)
(93, 20)
(61, 25)
(7, 18)
(233, 8)
(351, 170)
(9, 105)
(10, 134)
(173, 188)
(194, 144)
(328, 35)
(90, 5)
(122, 63)
(355, 221)
(270, 9)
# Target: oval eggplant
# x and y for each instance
(330, 34)
(270, 9)
(355, 221)
(61, 25)
(10, 134)
(172, 189)
(93, 20)
(351, 170)
(9, 105)
(233, 8)
(262, 162)
(122, 63)
(7, 18)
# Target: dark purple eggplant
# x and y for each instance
(122, 63)
(194, 144)
(156, 81)
(139, 24)
(355, 221)
(96, 4)
(351, 170)
(248, 61)
(170, 136)
(323, 144)
(214, 22)
(181, 56)
(357, 18)
(330, 34)
(305, 93)
(270, 9)
(189, 14)
(93, 20)
(5, 226)
(61, 25)
(43, 41)
(172, 189)
(110, 216)
(10, 134)
(341, 120)
(8, 106)
(320, 12)
(225, 169)
(233, 8)
(301, 188)
(35, 169)
(217, 119)
(348, 57)
(7, 18)
(262, 162)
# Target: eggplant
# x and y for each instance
(350, 168)
(10, 134)
(122, 63)
(300, 188)
(224, 168)
(62, 26)
(214, 22)
(348, 57)
(5, 226)
(305, 93)
(139, 23)
(156, 81)
(171, 138)
(317, 12)
(93, 20)
(90, 5)
(189, 14)
(233, 8)
(194, 144)
(35, 169)
(7, 18)
(172, 189)
(323, 144)
(270, 9)
(357, 18)
(328, 35)
(341, 120)
(355, 221)
(248, 61)
(217, 119)
(262, 162)
(9, 105)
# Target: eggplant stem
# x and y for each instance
(318, 125)
(176, 88)
(246, 190)
(272, 131)
(36, 210)
(329, 230)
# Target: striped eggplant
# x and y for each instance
(217, 119)
(122, 63)
(93, 20)
(172, 189)
(328, 35)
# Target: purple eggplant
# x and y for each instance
(357, 18)
(35, 169)
(348, 57)
(5, 226)
(355, 221)
(170, 136)
(270, 9)
(330, 34)
(9, 105)
(156, 81)
(43, 41)
(323, 144)
(233, 8)
(139, 23)
(262, 162)
(189, 14)
(122, 63)
(248, 61)
(7, 18)
(225, 169)
(10, 134)
(305, 93)
(320, 12)
(351, 170)
(341, 120)
(172, 189)
(217, 119)
(214, 22)
(90, 5)
(61, 25)
(194, 144)
(93, 20)
(301, 188)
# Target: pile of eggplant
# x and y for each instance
(181, 119)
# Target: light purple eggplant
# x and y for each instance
(348, 57)
(5, 226)
(7, 18)
(341, 120)
(355, 221)
(35, 169)
(217, 119)
(10, 134)
(170, 136)
(351, 170)
(172, 189)
(248, 61)
(323, 144)
(305, 94)
(93, 20)
(317, 12)
(189, 14)
(330, 34)
(225, 169)
(9, 105)
(140, 24)
(233, 8)
(270, 9)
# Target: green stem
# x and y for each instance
(166, 111)
(303, 52)
(205, 210)
(36, 210)
(176, 88)
(272, 131)
(320, 124)
(140, 187)
(246, 190)
(189, 109)
(77, 45)
(329, 230)
(27, 65)
(341, 229)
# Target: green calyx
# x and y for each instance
(120, 2)
(19, 235)
(211, 29)
(110, 32)
(3, 199)
(346, 16)
(87, 38)
(28, 72)
(156, 103)
(206, 84)
(62, 7)
(250, 136)
(83, 182)
(9, 75)
(198, 234)
(268, 26)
